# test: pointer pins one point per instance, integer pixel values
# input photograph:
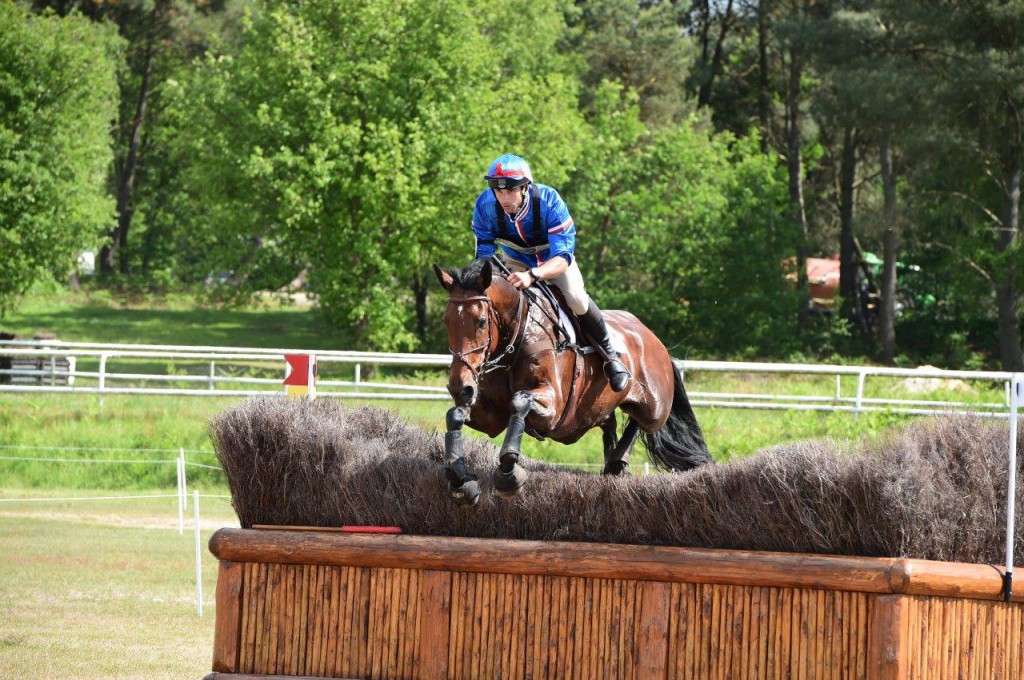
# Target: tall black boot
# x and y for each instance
(594, 326)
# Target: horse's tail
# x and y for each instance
(679, 444)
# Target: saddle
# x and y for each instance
(569, 327)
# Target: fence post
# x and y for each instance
(181, 491)
(103, 376)
(860, 395)
(211, 381)
(1016, 384)
(199, 557)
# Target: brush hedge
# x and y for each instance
(935, 489)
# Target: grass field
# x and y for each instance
(106, 588)
(177, 320)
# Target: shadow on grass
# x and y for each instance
(262, 328)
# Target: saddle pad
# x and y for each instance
(567, 324)
(618, 342)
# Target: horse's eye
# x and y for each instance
(481, 323)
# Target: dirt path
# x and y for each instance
(126, 520)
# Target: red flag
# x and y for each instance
(300, 369)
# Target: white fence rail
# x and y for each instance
(101, 369)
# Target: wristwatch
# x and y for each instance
(534, 274)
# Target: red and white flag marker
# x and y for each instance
(300, 378)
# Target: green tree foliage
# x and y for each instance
(345, 139)
(686, 229)
(161, 37)
(974, 68)
(352, 135)
(641, 46)
(59, 93)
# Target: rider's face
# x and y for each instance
(511, 199)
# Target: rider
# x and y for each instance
(539, 249)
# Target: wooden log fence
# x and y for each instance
(329, 604)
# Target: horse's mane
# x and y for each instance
(467, 276)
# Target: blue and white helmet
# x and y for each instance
(508, 171)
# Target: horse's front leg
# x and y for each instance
(510, 477)
(462, 485)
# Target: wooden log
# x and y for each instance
(249, 622)
(595, 560)
(334, 612)
(887, 637)
(227, 631)
(652, 650)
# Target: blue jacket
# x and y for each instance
(555, 221)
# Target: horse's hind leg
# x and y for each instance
(462, 485)
(510, 477)
(616, 456)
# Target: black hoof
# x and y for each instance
(508, 484)
(616, 468)
(468, 494)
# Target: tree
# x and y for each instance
(160, 35)
(352, 135)
(640, 45)
(970, 57)
(59, 93)
(712, 23)
(685, 229)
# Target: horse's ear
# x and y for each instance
(444, 277)
(484, 280)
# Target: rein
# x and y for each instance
(532, 297)
(492, 363)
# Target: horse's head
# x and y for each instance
(473, 317)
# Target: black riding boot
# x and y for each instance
(594, 326)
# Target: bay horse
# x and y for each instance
(511, 371)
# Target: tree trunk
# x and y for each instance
(763, 95)
(848, 264)
(1006, 289)
(419, 289)
(603, 245)
(704, 94)
(887, 320)
(114, 249)
(794, 165)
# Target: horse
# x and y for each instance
(512, 371)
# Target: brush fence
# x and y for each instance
(317, 603)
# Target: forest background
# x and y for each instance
(705, 149)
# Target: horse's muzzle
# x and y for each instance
(464, 395)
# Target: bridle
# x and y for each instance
(493, 320)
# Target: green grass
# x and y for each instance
(104, 589)
(178, 320)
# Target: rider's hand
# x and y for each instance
(521, 279)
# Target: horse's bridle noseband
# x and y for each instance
(493, 363)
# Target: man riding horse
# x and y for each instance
(512, 372)
(531, 223)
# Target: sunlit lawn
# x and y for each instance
(173, 320)
(104, 589)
